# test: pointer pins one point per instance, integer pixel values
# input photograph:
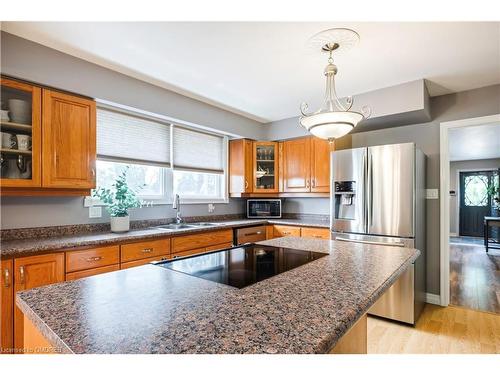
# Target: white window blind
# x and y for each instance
(197, 151)
(124, 137)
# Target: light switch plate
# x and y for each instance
(211, 208)
(431, 194)
(95, 212)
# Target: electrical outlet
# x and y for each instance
(95, 212)
(211, 208)
(431, 194)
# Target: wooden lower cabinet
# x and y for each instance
(322, 233)
(7, 306)
(91, 272)
(144, 249)
(31, 272)
(289, 230)
(286, 230)
(79, 260)
(201, 241)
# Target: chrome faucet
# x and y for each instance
(177, 206)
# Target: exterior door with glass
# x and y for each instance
(475, 203)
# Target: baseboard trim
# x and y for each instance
(433, 299)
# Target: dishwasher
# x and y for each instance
(249, 234)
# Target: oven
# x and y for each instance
(263, 208)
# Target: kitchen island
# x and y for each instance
(151, 309)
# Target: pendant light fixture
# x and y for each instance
(334, 119)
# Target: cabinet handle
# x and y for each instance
(6, 275)
(287, 232)
(317, 236)
(246, 184)
(93, 172)
(21, 275)
(251, 234)
(149, 250)
(314, 182)
(93, 259)
(307, 183)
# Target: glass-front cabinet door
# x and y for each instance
(20, 134)
(265, 167)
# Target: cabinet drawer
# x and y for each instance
(285, 230)
(146, 249)
(92, 258)
(92, 272)
(141, 262)
(196, 241)
(316, 233)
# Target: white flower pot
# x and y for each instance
(120, 224)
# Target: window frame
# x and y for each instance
(167, 172)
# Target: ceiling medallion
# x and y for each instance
(334, 119)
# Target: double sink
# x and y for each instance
(175, 226)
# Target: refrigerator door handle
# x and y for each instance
(369, 193)
(396, 244)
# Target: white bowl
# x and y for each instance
(20, 110)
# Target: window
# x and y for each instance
(163, 159)
(476, 190)
(199, 160)
(147, 180)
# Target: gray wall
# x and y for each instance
(455, 166)
(26, 212)
(474, 103)
(403, 104)
(33, 62)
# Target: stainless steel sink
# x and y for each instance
(204, 224)
(174, 226)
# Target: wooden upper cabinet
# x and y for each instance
(7, 306)
(32, 272)
(240, 166)
(320, 165)
(265, 167)
(21, 154)
(297, 165)
(69, 141)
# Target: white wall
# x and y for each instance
(455, 167)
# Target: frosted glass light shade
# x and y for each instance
(331, 125)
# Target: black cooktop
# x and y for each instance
(243, 265)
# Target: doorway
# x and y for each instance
(469, 275)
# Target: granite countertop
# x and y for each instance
(151, 309)
(36, 245)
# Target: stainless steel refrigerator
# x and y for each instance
(378, 197)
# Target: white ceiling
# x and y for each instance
(264, 71)
(474, 142)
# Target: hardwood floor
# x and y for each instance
(474, 276)
(440, 330)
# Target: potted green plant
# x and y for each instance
(118, 201)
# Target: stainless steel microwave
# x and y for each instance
(263, 208)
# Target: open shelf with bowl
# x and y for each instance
(20, 134)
